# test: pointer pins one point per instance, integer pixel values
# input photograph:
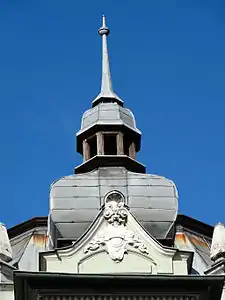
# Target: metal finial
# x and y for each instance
(106, 86)
(104, 29)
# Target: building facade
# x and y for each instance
(113, 231)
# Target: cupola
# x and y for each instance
(109, 140)
(108, 134)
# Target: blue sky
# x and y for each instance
(168, 65)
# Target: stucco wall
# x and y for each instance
(6, 292)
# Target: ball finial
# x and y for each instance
(104, 29)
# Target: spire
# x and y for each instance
(106, 94)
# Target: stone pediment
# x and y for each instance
(116, 243)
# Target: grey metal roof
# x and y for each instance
(75, 200)
(199, 244)
(19, 245)
(26, 246)
(108, 114)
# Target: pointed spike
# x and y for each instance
(106, 85)
(103, 21)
